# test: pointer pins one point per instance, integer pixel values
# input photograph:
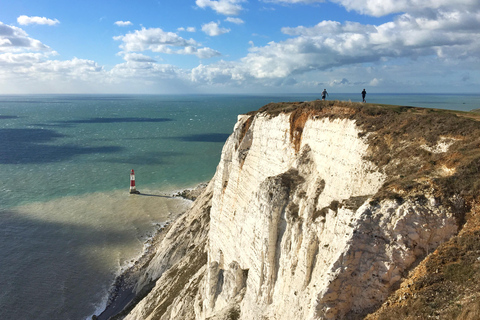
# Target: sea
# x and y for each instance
(68, 225)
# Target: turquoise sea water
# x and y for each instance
(67, 222)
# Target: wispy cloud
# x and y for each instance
(123, 23)
(26, 20)
(188, 29)
(235, 20)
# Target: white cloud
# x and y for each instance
(143, 71)
(26, 66)
(384, 7)
(10, 60)
(207, 53)
(75, 68)
(25, 20)
(446, 36)
(339, 83)
(225, 7)
(189, 29)
(326, 28)
(35, 67)
(123, 23)
(153, 39)
(213, 29)
(235, 20)
(221, 72)
(137, 57)
(14, 39)
(157, 40)
(421, 46)
(202, 53)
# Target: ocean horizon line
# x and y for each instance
(239, 94)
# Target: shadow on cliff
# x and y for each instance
(48, 262)
(24, 146)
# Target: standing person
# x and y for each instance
(364, 93)
(324, 93)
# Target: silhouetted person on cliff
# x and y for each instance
(364, 93)
(324, 93)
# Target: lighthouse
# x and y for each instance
(133, 190)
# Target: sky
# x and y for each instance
(239, 46)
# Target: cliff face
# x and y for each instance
(317, 211)
(293, 214)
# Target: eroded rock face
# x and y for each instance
(293, 235)
(293, 231)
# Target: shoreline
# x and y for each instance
(122, 291)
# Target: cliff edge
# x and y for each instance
(321, 210)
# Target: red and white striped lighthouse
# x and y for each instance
(133, 190)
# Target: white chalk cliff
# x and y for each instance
(288, 228)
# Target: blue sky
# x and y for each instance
(239, 46)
